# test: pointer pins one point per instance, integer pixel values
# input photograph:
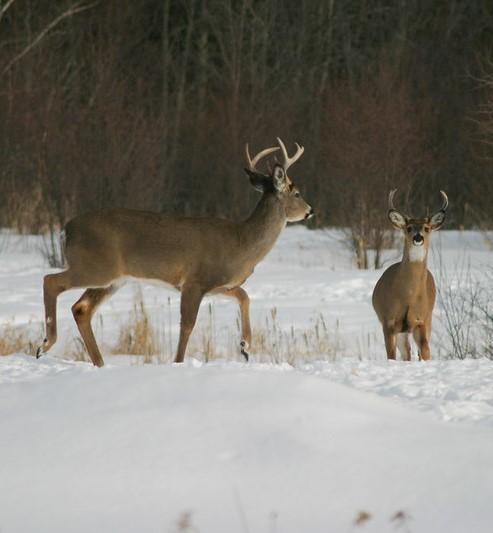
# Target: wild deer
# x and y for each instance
(197, 256)
(404, 296)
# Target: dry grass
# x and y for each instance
(15, 339)
(184, 523)
(275, 344)
(138, 335)
(146, 334)
(75, 349)
(400, 520)
(150, 335)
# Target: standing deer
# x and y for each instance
(197, 256)
(405, 294)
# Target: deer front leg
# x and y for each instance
(390, 342)
(191, 297)
(244, 302)
(53, 285)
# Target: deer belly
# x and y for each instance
(237, 280)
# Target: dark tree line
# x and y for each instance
(149, 104)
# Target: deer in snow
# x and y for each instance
(197, 256)
(404, 296)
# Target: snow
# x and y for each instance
(130, 448)
(229, 446)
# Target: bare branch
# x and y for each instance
(71, 11)
(4, 8)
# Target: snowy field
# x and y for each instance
(294, 441)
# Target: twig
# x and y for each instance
(71, 11)
(3, 10)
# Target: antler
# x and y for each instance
(288, 161)
(259, 156)
(443, 208)
(391, 199)
(445, 201)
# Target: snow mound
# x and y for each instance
(240, 447)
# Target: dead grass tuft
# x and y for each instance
(15, 339)
(362, 518)
(280, 346)
(75, 349)
(400, 520)
(184, 523)
(137, 336)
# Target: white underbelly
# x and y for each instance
(150, 281)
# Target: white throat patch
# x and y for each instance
(417, 254)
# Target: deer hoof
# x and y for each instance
(42, 349)
(243, 351)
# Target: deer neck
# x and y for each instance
(414, 264)
(262, 228)
(415, 255)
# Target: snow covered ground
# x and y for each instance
(341, 441)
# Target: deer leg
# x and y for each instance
(83, 309)
(53, 285)
(404, 346)
(244, 302)
(421, 338)
(191, 297)
(390, 342)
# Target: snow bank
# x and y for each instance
(242, 448)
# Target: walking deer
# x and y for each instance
(197, 256)
(404, 296)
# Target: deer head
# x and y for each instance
(417, 231)
(278, 183)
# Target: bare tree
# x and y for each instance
(372, 144)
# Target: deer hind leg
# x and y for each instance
(83, 311)
(390, 342)
(404, 346)
(420, 335)
(53, 285)
(191, 297)
(246, 331)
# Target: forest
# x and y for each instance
(149, 105)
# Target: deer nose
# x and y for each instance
(310, 213)
(418, 239)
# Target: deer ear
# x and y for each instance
(279, 178)
(397, 219)
(260, 182)
(437, 220)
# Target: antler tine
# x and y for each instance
(445, 201)
(288, 161)
(284, 152)
(259, 156)
(298, 154)
(247, 153)
(391, 199)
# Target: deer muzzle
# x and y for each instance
(310, 214)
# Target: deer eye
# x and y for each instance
(409, 229)
(297, 194)
(427, 230)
